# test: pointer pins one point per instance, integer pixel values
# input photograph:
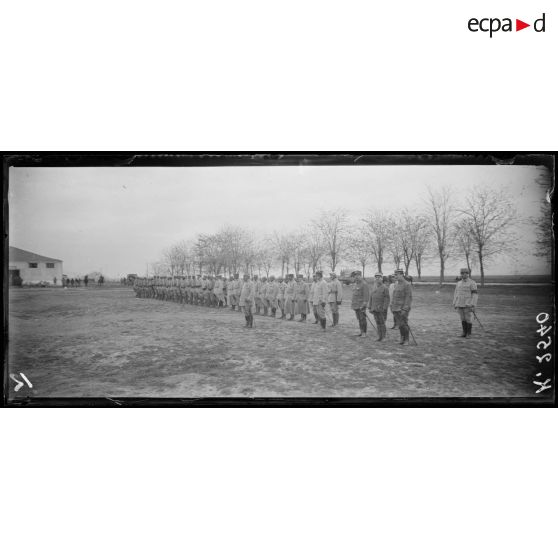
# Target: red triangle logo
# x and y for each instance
(519, 25)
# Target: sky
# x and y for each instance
(119, 220)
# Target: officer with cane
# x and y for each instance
(401, 305)
(465, 299)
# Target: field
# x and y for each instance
(104, 342)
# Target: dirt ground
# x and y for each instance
(104, 342)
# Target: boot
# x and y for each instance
(265, 311)
(247, 321)
(469, 329)
(380, 333)
(251, 321)
(401, 337)
(283, 315)
(394, 326)
(323, 322)
(291, 318)
(465, 329)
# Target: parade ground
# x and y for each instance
(105, 342)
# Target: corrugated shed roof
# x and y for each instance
(18, 255)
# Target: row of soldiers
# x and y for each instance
(290, 295)
(293, 296)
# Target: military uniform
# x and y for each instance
(247, 296)
(301, 297)
(218, 292)
(311, 299)
(281, 296)
(465, 299)
(320, 299)
(289, 296)
(361, 295)
(401, 305)
(335, 297)
(272, 293)
(378, 305)
(263, 295)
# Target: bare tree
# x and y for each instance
(403, 237)
(379, 230)
(396, 249)
(544, 246)
(465, 240)
(422, 242)
(359, 248)
(248, 255)
(158, 269)
(490, 213)
(283, 249)
(233, 241)
(314, 249)
(298, 247)
(265, 256)
(334, 228)
(441, 213)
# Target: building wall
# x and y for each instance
(31, 275)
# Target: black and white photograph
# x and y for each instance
(281, 277)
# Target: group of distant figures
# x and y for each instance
(77, 281)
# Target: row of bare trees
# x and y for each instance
(475, 230)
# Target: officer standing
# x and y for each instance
(379, 302)
(247, 300)
(401, 305)
(361, 295)
(335, 297)
(321, 295)
(465, 299)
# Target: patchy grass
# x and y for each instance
(107, 343)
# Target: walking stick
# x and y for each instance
(415, 341)
(474, 314)
(371, 323)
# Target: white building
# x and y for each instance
(33, 269)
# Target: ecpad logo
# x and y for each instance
(493, 25)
